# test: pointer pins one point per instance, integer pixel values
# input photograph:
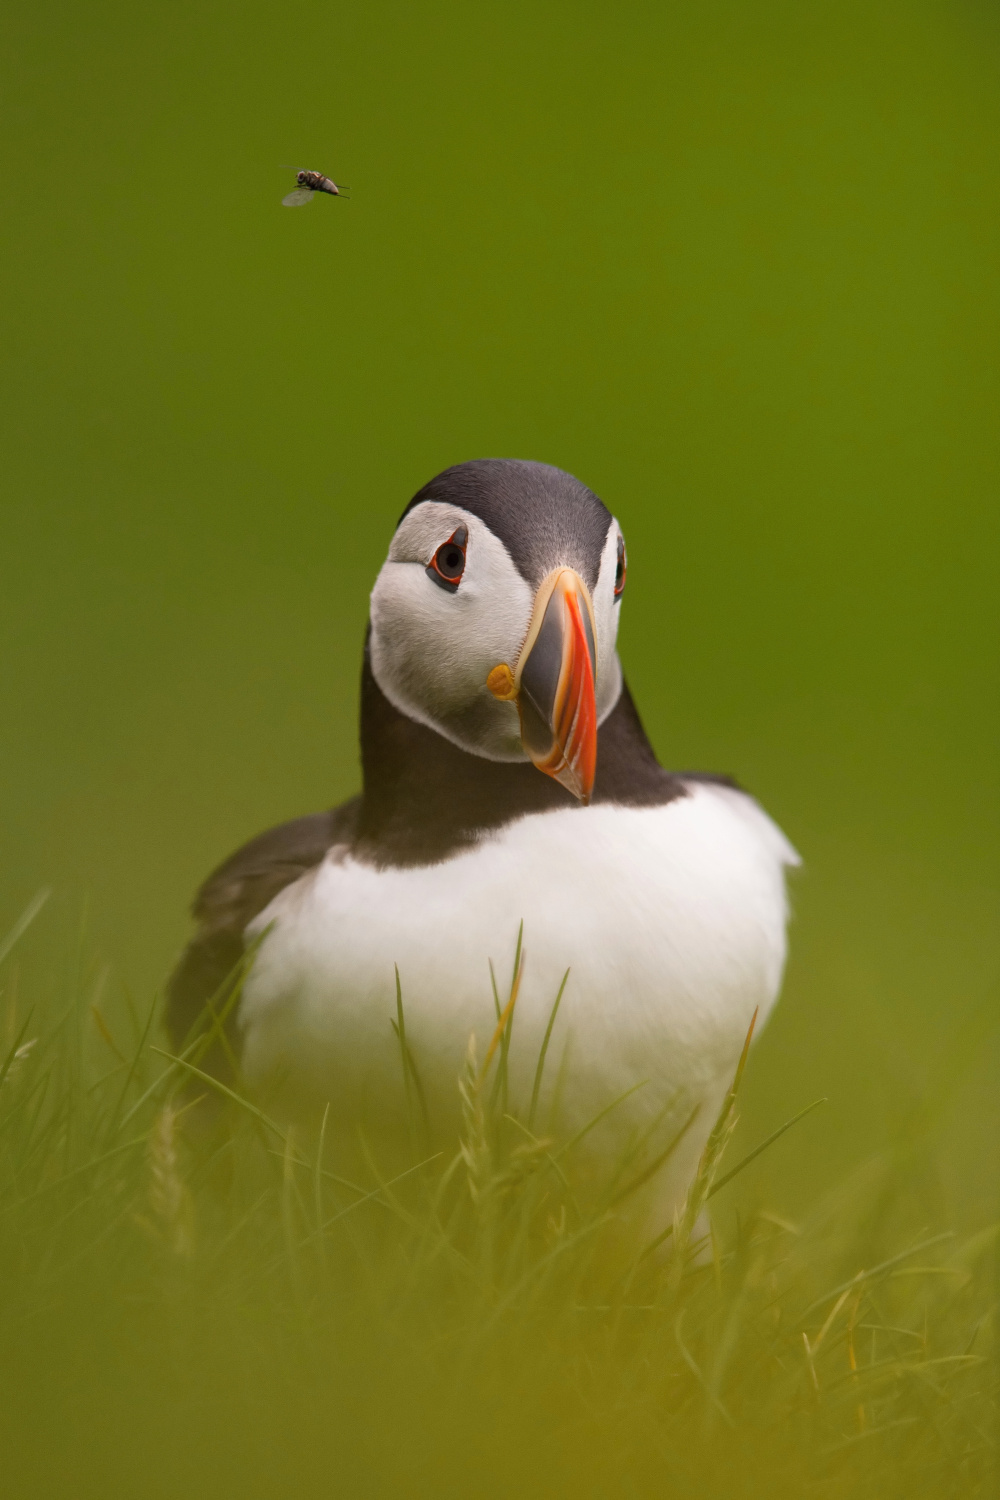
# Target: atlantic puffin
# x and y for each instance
(506, 779)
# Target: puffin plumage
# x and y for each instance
(506, 778)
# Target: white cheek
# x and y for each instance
(437, 648)
(432, 650)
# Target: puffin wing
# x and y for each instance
(237, 892)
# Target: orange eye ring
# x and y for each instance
(621, 569)
(448, 563)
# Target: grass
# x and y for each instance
(193, 1300)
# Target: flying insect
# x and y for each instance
(310, 183)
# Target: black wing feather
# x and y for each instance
(237, 892)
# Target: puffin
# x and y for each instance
(511, 805)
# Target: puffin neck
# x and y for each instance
(424, 798)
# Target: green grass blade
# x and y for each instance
(885, 1265)
(220, 1088)
(374, 1194)
(660, 1161)
(775, 1135)
(540, 1066)
(148, 1093)
(500, 1091)
(602, 1114)
(411, 1074)
(318, 1208)
(89, 1166)
(132, 1069)
(404, 1061)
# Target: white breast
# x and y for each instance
(671, 921)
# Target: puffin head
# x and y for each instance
(495, 616)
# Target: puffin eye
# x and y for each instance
(620, 569)
(448, 563)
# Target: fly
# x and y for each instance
(310, 183)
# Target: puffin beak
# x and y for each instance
(553, 684)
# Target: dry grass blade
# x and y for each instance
(105, 1032)
(474, 1145)
(169, 1198)
(15, 1052)
(23, 922)
(506, 1015)
(832, 1315)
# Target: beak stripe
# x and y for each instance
(560, 689)
(553, 684)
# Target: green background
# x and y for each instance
(733, 264)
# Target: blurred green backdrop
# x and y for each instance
(733, 264)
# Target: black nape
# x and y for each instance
(424, 798)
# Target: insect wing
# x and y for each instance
(298, 197)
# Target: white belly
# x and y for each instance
(671, 921)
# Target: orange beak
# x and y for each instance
(553, 685)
